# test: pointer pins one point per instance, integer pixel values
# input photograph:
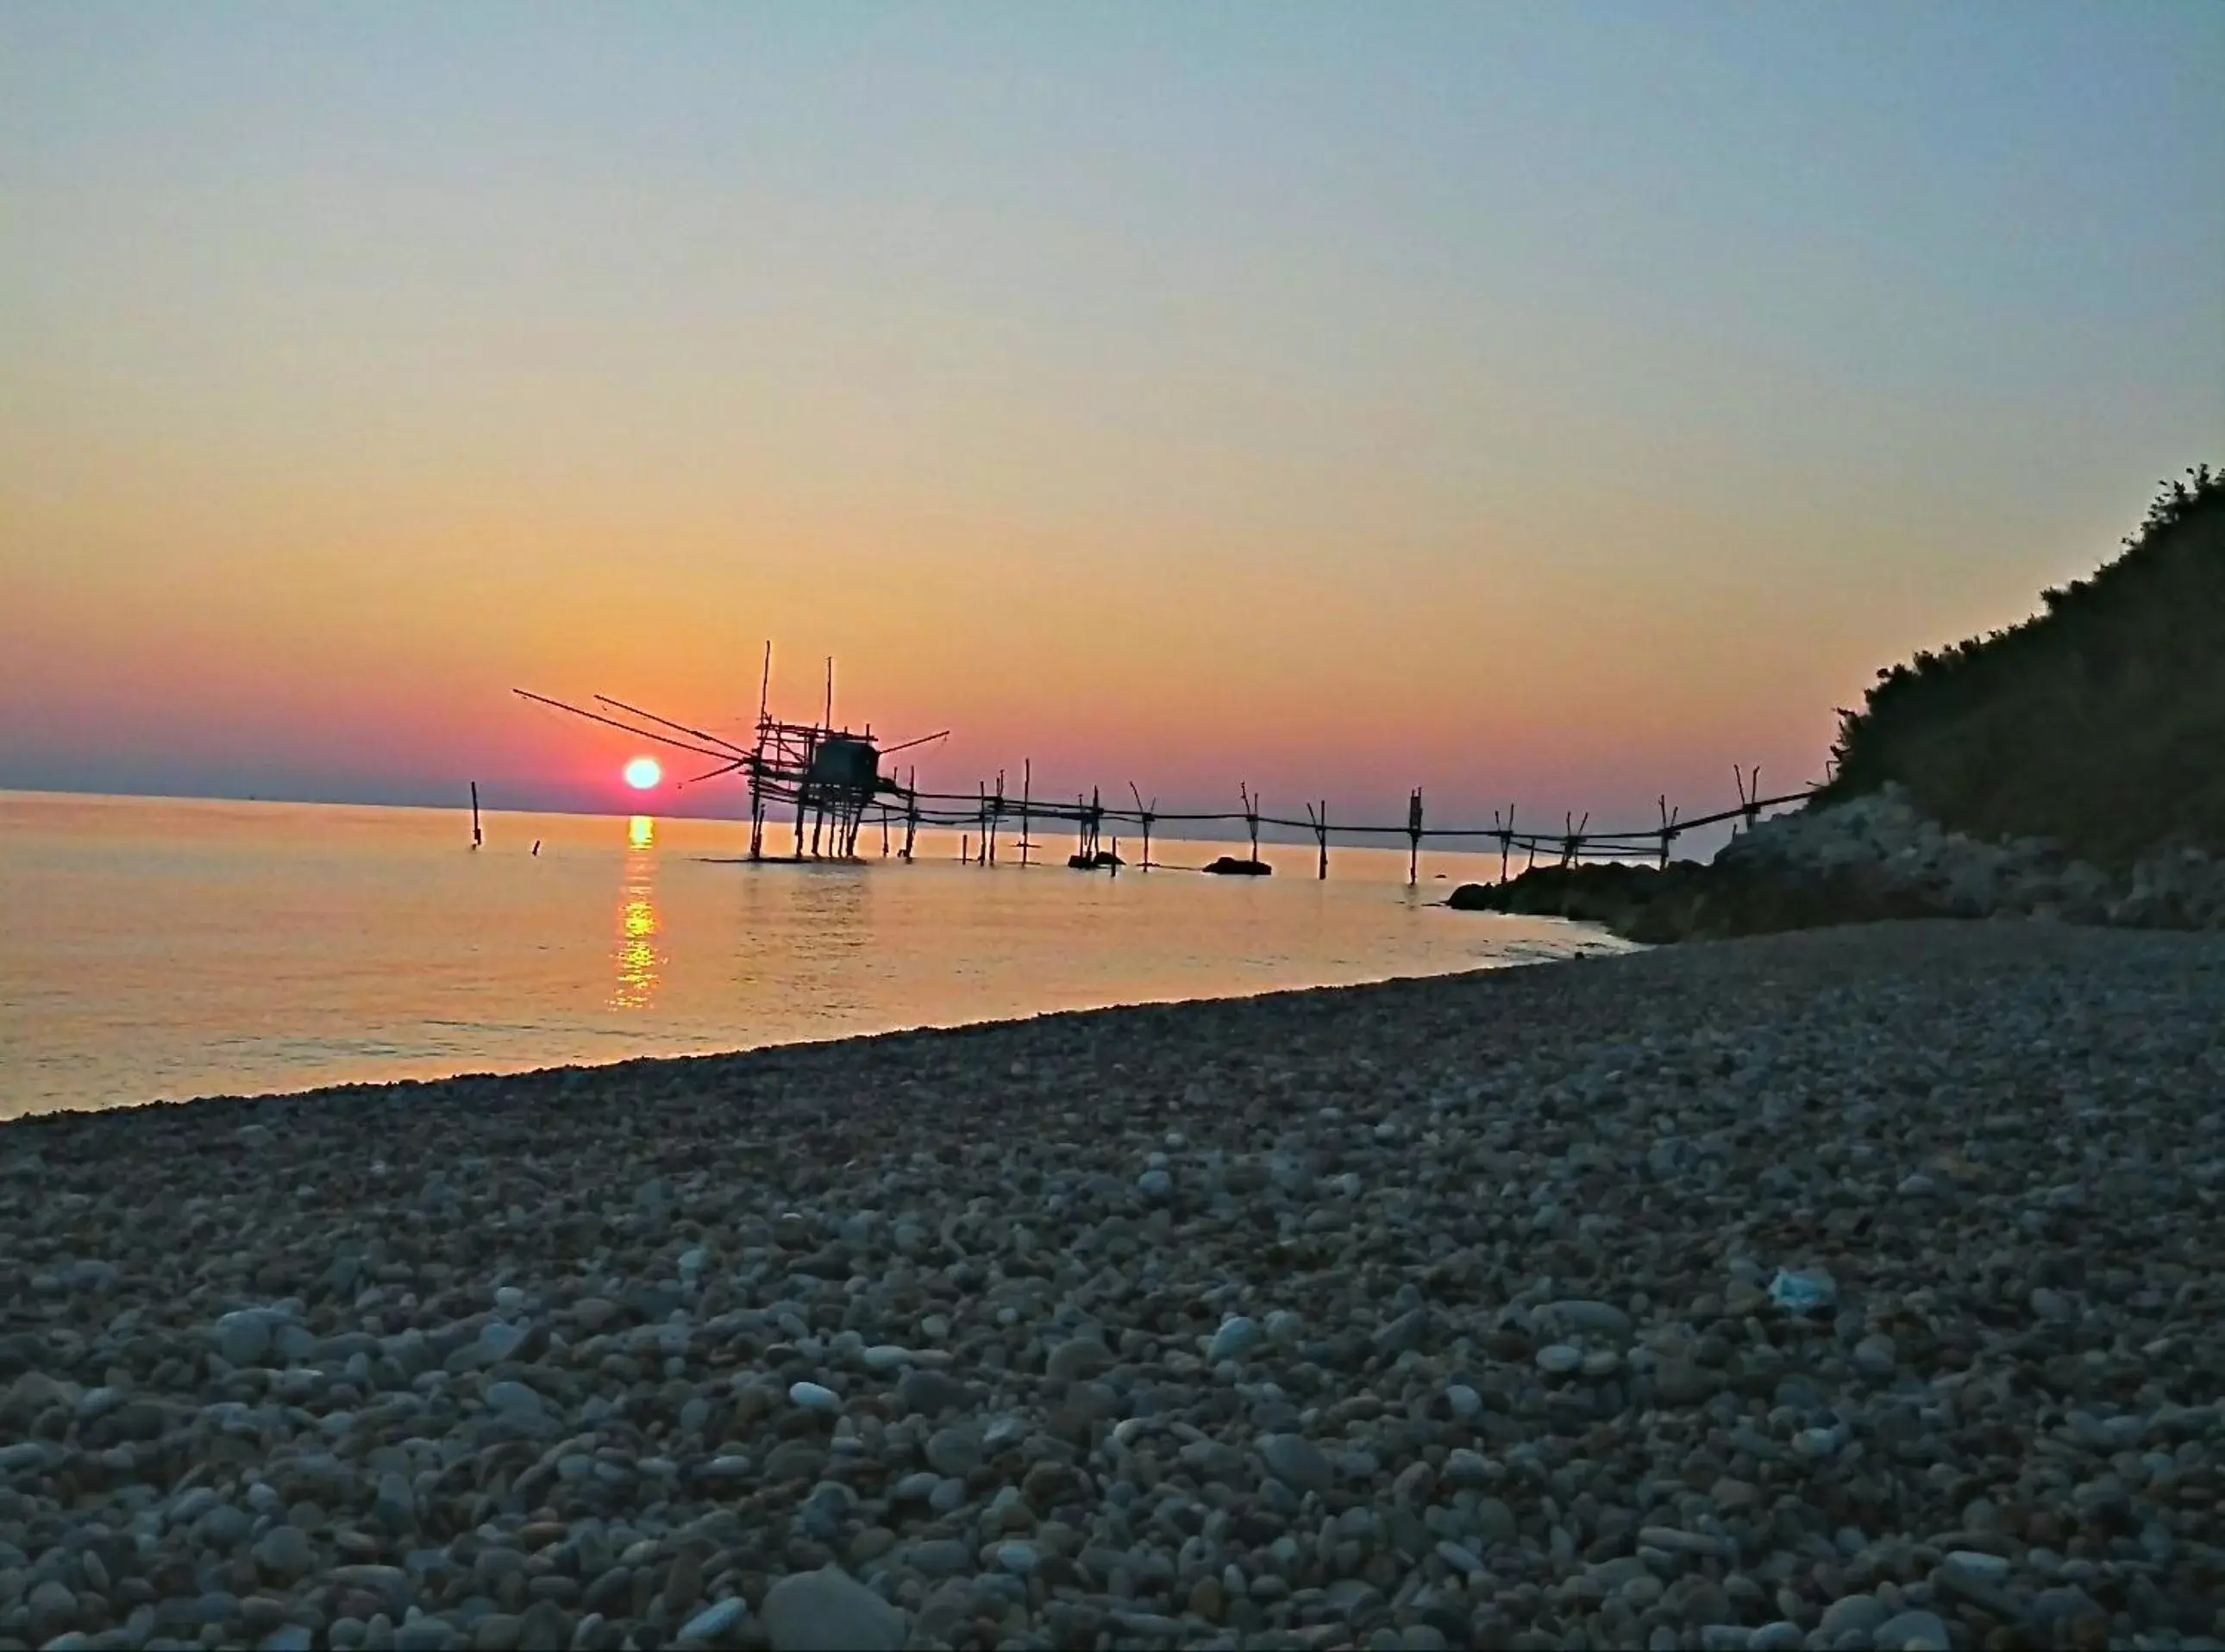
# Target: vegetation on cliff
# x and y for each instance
(2098, 723)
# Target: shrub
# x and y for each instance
(2099, 723)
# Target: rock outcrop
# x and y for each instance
(1238, 866)
(1867, 859)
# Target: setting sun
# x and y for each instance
(643, 773)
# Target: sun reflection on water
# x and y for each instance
(639, 964)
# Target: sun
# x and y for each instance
(642, 773)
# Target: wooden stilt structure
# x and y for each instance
(1749, 791)
(831, 776)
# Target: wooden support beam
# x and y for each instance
(1144, 814)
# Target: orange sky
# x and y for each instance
(1478, 404)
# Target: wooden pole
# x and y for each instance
(1321, 834)
(1027, 788)
(1251, 816)
(1414, 838)
(757, 803)
(803, 791)
(1144, 814)
(477, 840)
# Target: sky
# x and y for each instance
(1535, 403)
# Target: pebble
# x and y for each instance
(954, 1452)
(1298, 1462)
(813, 1396)
(715, 1623)
(931, 1392)
(1987, 1568)
(1559, 1358)
(1852, 1614)
(1236, 1338)
(284, 1552)
(1911, 1632)
(516, 1400)
(827, 1611)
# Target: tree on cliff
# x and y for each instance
(2099, 723)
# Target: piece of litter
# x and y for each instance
(1804, 1292)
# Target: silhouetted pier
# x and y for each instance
(831, 779)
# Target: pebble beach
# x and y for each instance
(1851, 1288)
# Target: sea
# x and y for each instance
(161, 949)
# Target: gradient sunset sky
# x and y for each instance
(1557, 402)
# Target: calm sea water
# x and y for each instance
(158, 949)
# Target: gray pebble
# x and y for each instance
(1298, 1462)
(827, 1611)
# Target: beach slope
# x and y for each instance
(1856, 1286)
